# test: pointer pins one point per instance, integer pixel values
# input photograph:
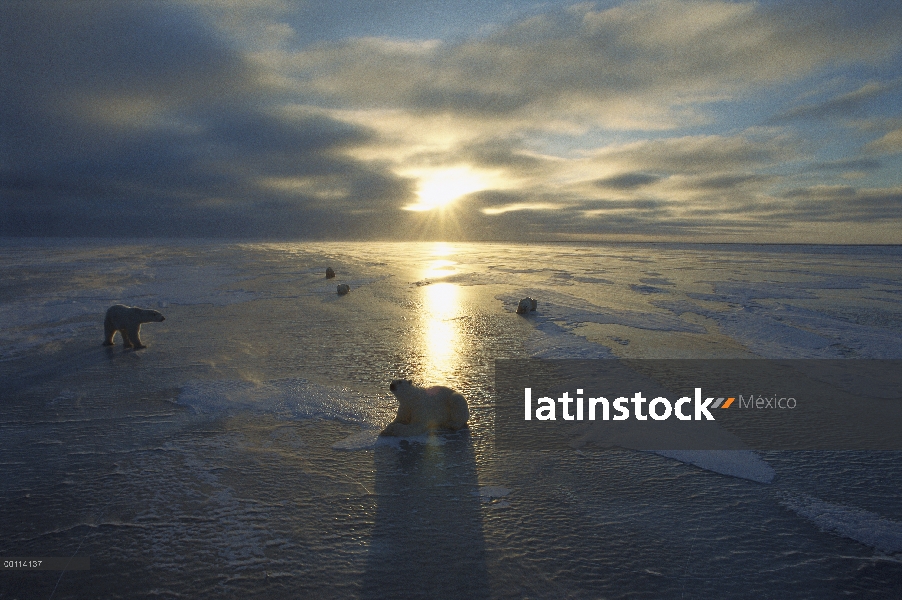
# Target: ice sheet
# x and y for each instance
(571, 310)
(247, 436)
(784, 331)
(744, 464)
(862, 526)
(551, 341)
(293, 398)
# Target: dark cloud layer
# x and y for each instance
(131, 119)
(628, 181)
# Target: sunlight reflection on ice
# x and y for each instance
(440, 336)
(441, 307)
(440, 268)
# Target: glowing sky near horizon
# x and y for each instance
(650, 120)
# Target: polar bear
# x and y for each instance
(526, 305)
(127, 321)
(423, 409)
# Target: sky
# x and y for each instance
(658, 120)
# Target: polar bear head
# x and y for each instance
(399, 386)
(147, 315)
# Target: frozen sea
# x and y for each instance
(237, 455)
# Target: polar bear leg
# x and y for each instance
(134, 337)
(108, 332)
(126, 341)
(459, 412)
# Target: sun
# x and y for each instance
(441, 187)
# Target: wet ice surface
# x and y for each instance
(238, 455)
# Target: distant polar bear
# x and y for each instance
(423, 409)
(127, 321)
(526, 305)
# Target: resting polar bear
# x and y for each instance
(423, 409)
(127, 321)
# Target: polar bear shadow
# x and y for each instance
(427, 539)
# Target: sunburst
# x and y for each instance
(439, 188)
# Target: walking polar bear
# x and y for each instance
(424, 409)
(127, 321)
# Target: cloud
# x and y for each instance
(225, 118)
(628, 181)
(844, 204)
(726, 182)
(641, 65)
(846, 105)
(136, 119)
(849, 164)
(891, 143)
(699, 155)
